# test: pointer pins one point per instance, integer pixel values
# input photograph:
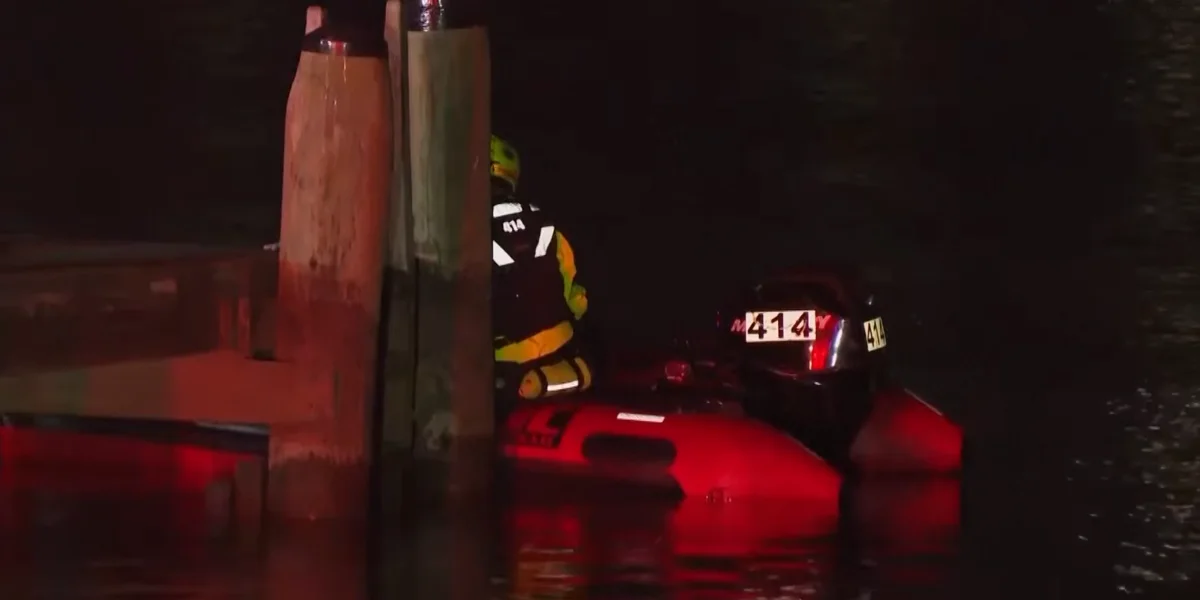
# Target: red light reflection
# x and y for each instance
(40, 458)
(37, 462)
(727, 550)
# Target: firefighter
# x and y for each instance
(537, 300)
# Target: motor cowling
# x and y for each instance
(804, 323)
(806, 351)
(808, 348)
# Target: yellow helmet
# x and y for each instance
(506, 163)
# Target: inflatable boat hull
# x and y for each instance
(903, 434)
(716, 456)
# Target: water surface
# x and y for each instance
(168, 533)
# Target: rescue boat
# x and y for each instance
(695, 446)
(791, 395)
(806, 350)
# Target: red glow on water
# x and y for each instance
(700, 547)
(73, 461)
(144, 488)
(910, 517)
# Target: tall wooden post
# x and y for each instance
(449, 119)
(449, 80)
(337, 161)
(399, 363)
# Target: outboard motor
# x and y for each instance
(808, 349)
(806, 352)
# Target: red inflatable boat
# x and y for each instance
(707, 449)
(903, 434)
(702, 451)
(791, 391)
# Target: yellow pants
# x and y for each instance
(566, 376)
(541, 344)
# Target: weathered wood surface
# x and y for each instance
(60, 311)
(337, 159)
(449, 119)
(398, 363)
(145, 331)
(24, 252)
(221, 385)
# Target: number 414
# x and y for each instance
(781, 326)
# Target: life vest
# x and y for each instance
(527, 284)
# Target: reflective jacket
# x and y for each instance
(535, 295)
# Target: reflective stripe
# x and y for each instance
(500, 256)
(536, 382)
(545, 236)
(558, 387)
(505, 209)
(640, 417)
(533, 208)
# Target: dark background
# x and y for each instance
(1017, 178)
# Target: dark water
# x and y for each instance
(1018, 178)
(165, 529)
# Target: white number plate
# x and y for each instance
(876, 336)
(781, 326)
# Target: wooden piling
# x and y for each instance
(449, 100)
(337, 161)
(399, 362)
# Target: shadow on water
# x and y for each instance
(161, 525)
